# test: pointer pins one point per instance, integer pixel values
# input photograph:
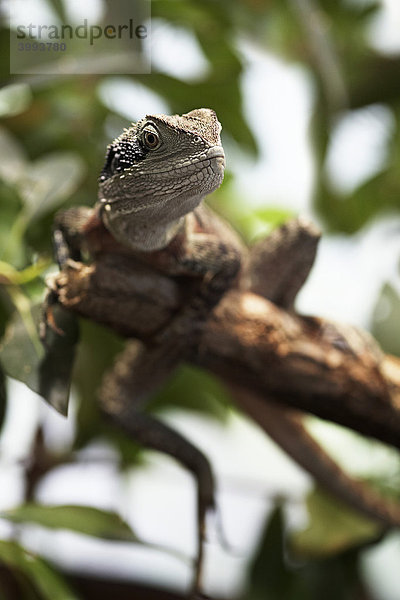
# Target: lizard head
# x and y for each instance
(158, 170)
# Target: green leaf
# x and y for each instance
(386, 320)
(260, 222)
(274, 574)
(10, 275)
(95, 354)
(272, 216)
(81, 519)
(13, 161)
(55, 369)
(348, 213)
(20, 350)
(59, 9)
(47, 370)
(193, 389)
(14, 99)
(3, 397)
(250, 222)
(46, 580)
(269, 577)
(49, 181)
(333, 528)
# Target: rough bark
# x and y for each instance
(301, 362)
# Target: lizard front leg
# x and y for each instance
(68, 233)
(123, 395)
(210, 258)
(67, 237)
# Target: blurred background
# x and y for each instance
(308, 93)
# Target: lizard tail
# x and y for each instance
(285, 427)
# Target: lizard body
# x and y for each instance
(155, 176)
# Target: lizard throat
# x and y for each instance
(145, 208)
(143, 234)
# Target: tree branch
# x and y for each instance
(307, 363)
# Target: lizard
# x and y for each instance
(149, 209)
(155, 176)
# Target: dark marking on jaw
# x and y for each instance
(120, 156)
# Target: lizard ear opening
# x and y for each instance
(120, 156)
(107, 170)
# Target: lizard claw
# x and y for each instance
(47, 320)
(220, 532)
(72, 264)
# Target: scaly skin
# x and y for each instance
(145, 201)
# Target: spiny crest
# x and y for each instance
(128, 134)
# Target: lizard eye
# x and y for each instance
(151, 139)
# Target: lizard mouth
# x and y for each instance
(214, 156)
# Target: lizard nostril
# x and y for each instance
(218, 164)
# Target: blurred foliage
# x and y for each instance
(53, 136)
(3, 396)
(35, 577)
(82, 519)
(386, 320)
(319, 538)
(273, 575)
